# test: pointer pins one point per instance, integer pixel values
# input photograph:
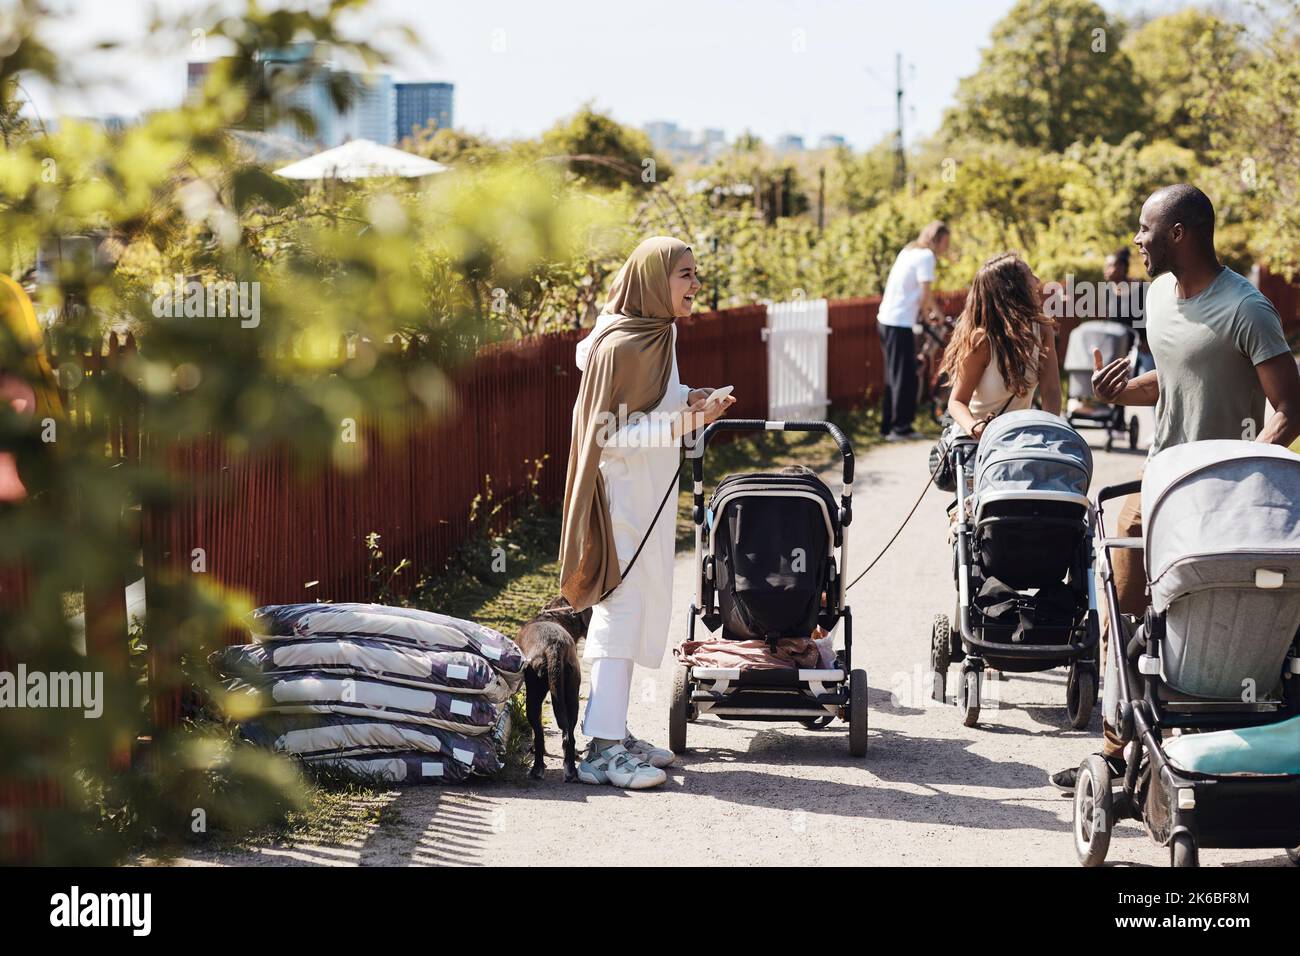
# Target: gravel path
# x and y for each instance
(929, 791)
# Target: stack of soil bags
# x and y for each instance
(384, 693)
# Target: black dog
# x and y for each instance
(550, 646)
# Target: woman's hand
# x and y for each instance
(698, 394)
(703, 412)
(715, 410)
(978, 429)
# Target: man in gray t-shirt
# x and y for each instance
(1219, 353)
(1208, 348)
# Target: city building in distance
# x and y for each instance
(380, 110)
(679, 144)
(789, 143)
(419, 104)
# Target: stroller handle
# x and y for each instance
(1109, 492)
(759, 425)
(1116, 491)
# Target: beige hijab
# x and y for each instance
(628, 364)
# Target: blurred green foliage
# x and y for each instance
(366, 295)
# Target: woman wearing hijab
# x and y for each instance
(628, 421)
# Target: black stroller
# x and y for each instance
(1022, 561)
(1112, 339)
(765, 553)
(1215, 659)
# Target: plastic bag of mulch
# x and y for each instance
(317, 692)
(319, 736)
(460, 672)
(398, 624)
(395, 768)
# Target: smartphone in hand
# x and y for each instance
(719, 394)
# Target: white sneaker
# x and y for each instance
(655, 756)
(615, 765)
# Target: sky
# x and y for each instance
(808, 67)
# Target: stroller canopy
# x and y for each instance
(1222, 527)
(1031, 450)
(773, 538)
(1212, 506)
(1110, 338)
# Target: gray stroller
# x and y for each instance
(1112, 339)
(1214, 660)
(1023, 561)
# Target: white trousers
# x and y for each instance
(611, 688)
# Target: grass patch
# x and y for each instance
(338, 809)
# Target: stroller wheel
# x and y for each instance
(940, 657)
(857, 713)
(1182, 851)
(678, 713)
(968, 696)
(1133, 430)
(1080, 694)
(1093, 811)
(1110, 441)
(816, 723)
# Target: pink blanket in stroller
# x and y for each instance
(799, 652)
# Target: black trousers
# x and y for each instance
(898, 405)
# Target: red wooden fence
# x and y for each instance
(855, 365)
(853, 359)
(727, 348)
(1285, 297)
(285, 539)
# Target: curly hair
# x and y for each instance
(1004, 304)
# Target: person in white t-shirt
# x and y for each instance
(908, 296)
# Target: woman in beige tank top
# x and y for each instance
(1003, 347)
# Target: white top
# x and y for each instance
(902, 299)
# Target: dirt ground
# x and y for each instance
(929, 790)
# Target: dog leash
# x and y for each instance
(668, 493)
(920, 498)
(653, 521)
(929, 481)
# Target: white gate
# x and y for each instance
(796, 336)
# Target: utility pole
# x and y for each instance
(821, 198)
(713, 248)
(900, 162)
